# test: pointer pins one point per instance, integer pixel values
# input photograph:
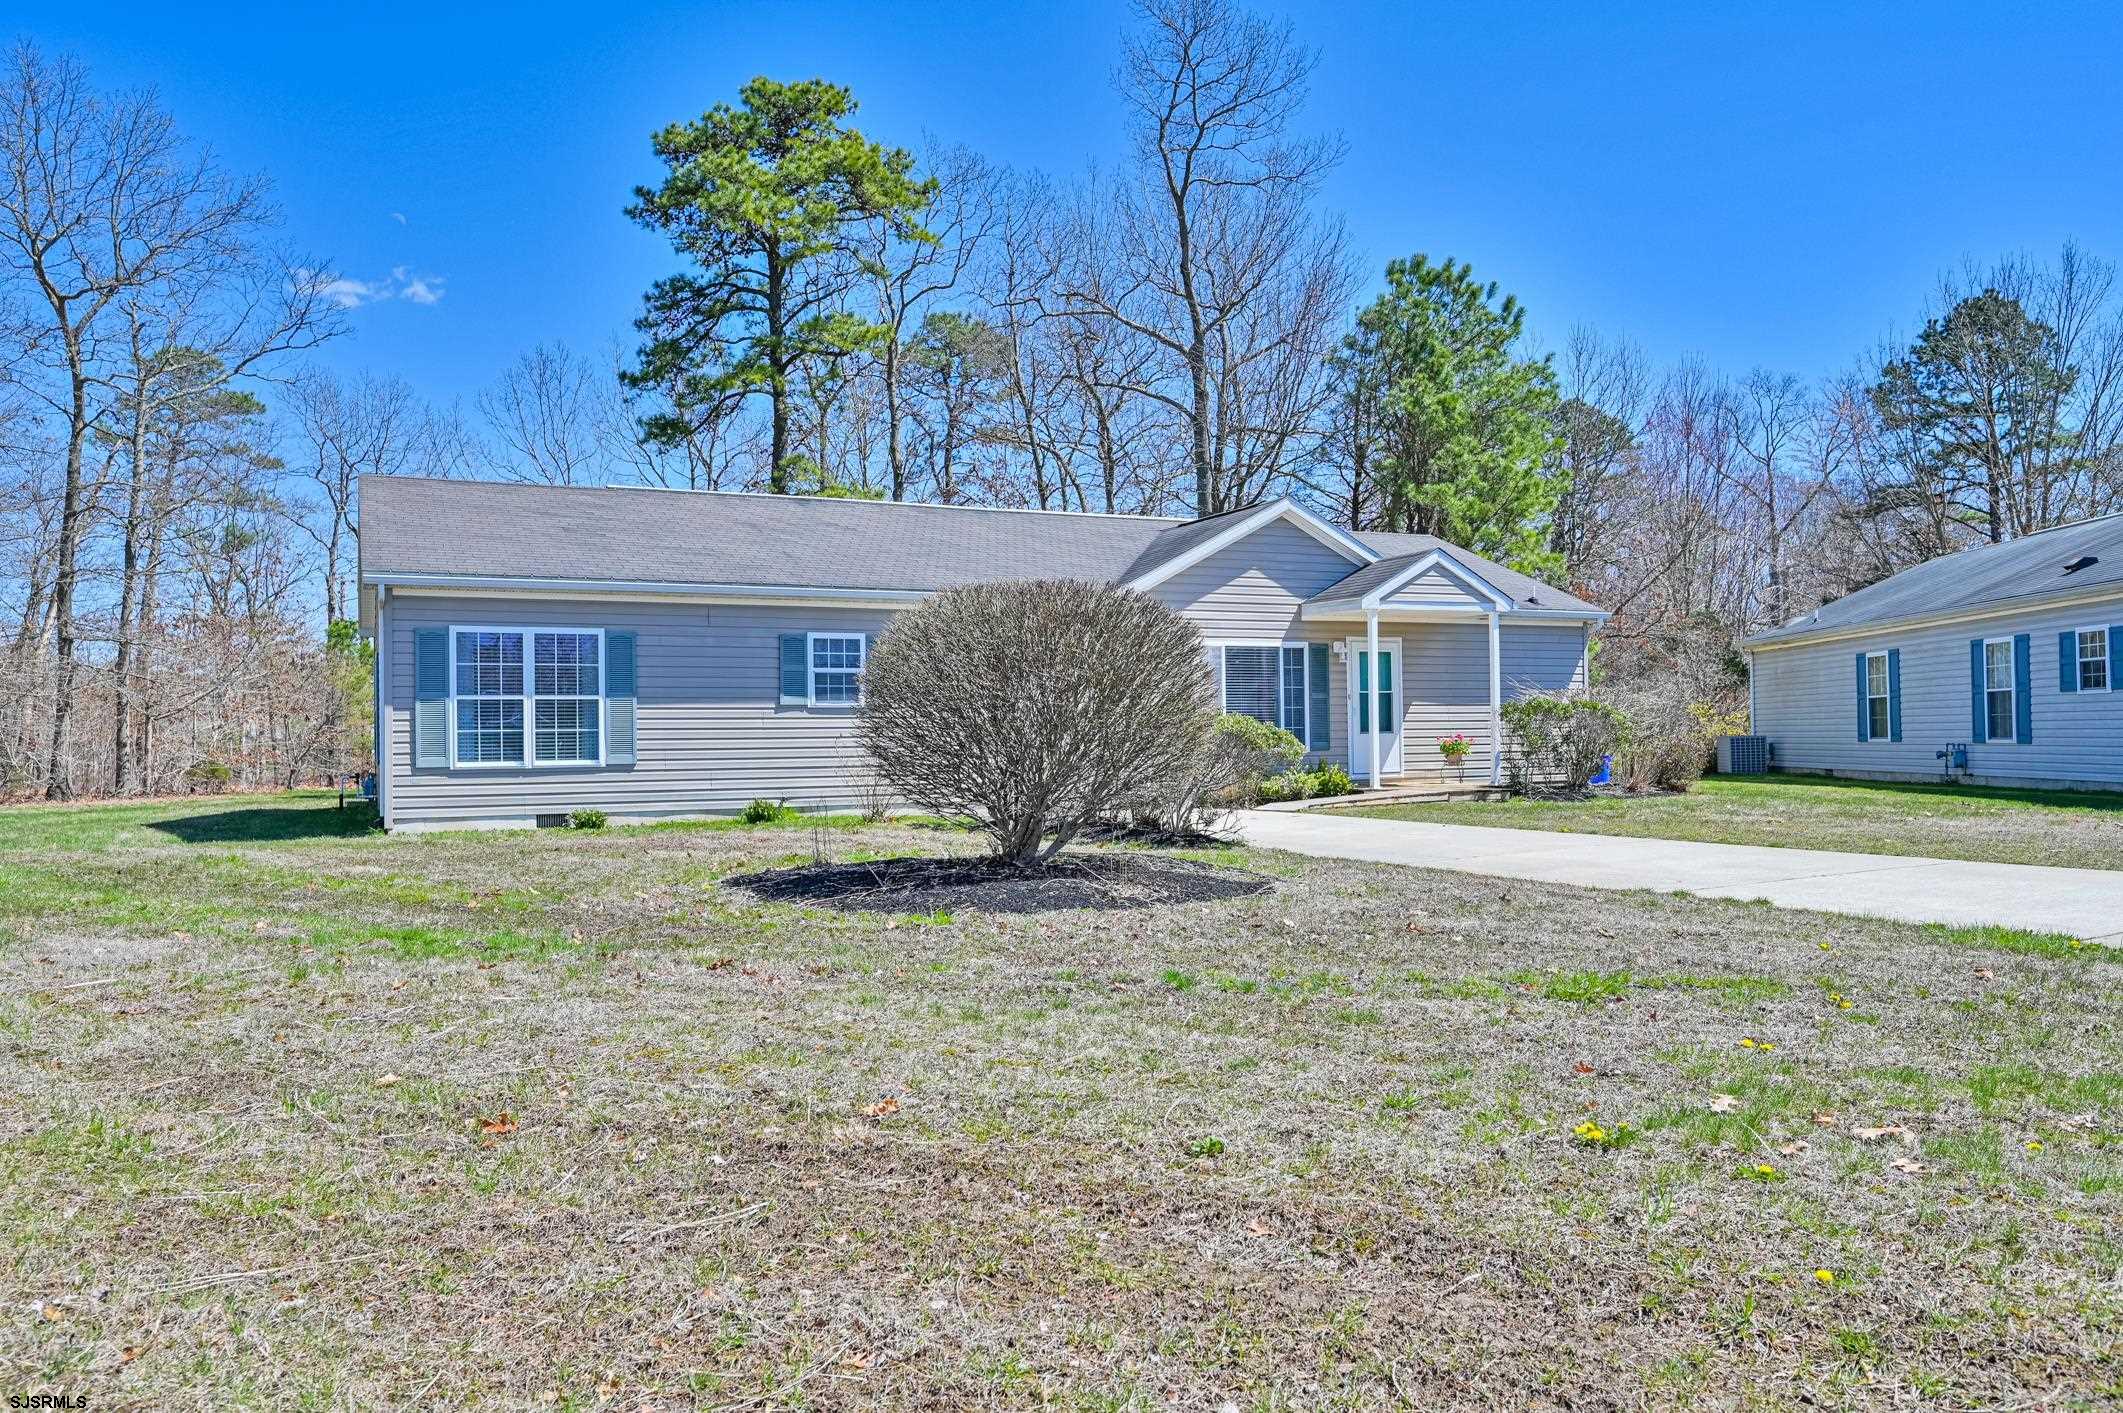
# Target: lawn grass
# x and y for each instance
(2075, 829)
(301, 1116)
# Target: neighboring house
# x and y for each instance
(2011, 652)
(658, 653)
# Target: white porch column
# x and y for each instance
(1371, 651)
(1496, 700)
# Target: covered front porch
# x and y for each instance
(1433, 612)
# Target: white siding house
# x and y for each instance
(2001, 665)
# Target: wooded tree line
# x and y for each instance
(1177, 331)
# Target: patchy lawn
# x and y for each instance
(321, 1119)
(2080, 829)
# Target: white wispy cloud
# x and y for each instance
(350, 293)
(399, 217)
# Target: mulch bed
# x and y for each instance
(1102, 882)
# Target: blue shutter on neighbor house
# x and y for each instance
(1978, 721)
(1894, 694)
(619, 693)
(795, 670)
(1322, 727)
(2067, 661)
(1864, 707)
(2023, 697)
(431, 698)
(2115, 658)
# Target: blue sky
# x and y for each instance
(1762, 185)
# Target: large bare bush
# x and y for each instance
(1035, 707)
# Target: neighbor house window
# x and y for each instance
(1997, 688)
(1268, 682)
(1877, 717)
(836, 668)
(2093, 659)
(502, 678)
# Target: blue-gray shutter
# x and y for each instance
(2115, 658)
(795, 671)
(431, 698)
(619, 695)
(2023, 697)
(1894, 694)
(2068, 661)
(1864, 707)
(1979, 719)
(1322, 726)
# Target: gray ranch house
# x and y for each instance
(662, 654)
(2000, 665)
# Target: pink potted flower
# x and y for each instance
(1455, 748)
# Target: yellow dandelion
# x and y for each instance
(1746, 1042)
(1825, 1276)
(2034, 1145)
(1845, 1005)
(1823, 946)
(1765, 1169)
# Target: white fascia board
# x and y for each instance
(2043, 604)
(502, 585)
(1447, 613)
(1285, 509)
(1438, 559)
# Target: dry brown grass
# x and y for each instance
(654, 1143)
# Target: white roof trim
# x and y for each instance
(2026, 604)
(1338, 540)
(1438, 559)
(474, 583)
(1446, 613)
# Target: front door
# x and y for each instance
(1360, 723)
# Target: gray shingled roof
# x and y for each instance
(489, 528)
(496, 529)
(2029, 569)
(1403, 550)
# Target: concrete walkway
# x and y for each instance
(2079, 902)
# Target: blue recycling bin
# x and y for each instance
(1606, 772)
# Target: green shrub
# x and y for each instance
(764, 812)
(1557, 742)
(587, 819)
(1241, 761)
(1330, 779)
(208, 777)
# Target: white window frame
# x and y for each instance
(1884, 696)
(810, 668)
(2078, 638)
(2011, 690)
(1282, 699)
(530, 697)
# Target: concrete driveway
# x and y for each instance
(2079, 902)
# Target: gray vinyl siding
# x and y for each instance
(1805, 701)
(1434, 588)
(1446, 682)
(712, 734)
(1255, 588)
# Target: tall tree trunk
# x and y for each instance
(72, 512)
(895, 454)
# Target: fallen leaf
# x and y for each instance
(1825, 1118)
(503, 1122)
(1906, 1165)
(1258, 1227)
(1582, 1068)
(1871, 1135)
(1984, 974)
(1724, 1103)
(386, 1081)
(883, 1108)
(1795, 1147)
(722, 964)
